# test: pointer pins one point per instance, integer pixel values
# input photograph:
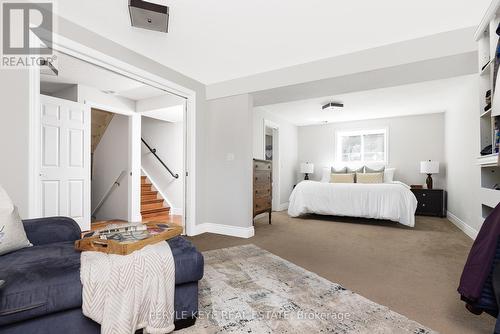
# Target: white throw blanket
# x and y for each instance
(126, 293)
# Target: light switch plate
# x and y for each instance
(230, 156)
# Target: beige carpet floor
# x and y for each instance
(414, 272)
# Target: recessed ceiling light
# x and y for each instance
(109, 92)
(332, 106)
(148, 15)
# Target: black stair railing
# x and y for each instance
(153, 150)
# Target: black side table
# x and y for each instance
(431, 202)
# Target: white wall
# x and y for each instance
(287, 149)
(228, 172)
(14, 137)
(411, 139)
(461, 150)
(111, 157)
(167, 138)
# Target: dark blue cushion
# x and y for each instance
(42, 231)
(39, 280)
(45, 279)
(188, 261)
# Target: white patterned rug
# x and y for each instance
(249, 290)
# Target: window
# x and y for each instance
(362, 146)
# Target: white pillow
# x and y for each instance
(12, 234)
(325, 174)
(389, 175)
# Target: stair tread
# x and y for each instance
(150, 192)
(158, 210)
(152, 201)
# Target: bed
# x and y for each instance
(391, 201)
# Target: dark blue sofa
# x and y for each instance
(42, 291)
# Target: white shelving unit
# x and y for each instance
(490, 171)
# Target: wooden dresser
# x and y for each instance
(262, 187)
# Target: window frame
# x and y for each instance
(340, 134)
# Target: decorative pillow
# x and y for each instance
(342, 178)
(339, 171)
(389, 175)
(357, 170)
(325, 174)
(12, 234)
(369, 177)
(374, 170)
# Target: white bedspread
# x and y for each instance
(392, 201)
(126, 293)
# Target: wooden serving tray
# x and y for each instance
(97, 244)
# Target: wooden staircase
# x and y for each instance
(153, 207)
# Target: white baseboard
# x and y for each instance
(283, 206)
(466, 228)
(233, 231)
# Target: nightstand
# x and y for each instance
(431, 202)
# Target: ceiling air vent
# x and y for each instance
(147, 15)
(332, 106)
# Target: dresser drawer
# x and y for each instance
(260, 165)
(428, 197)
(261, 177)
(262, 204)
(262, 192)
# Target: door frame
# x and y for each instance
(84, 53)
(276, 160)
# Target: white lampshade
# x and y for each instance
(429, 167)
(307, 167)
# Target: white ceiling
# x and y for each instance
(76, 71)
(218, 40)
(171, 114)
(422, 98)
(73, 71)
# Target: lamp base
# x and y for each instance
(428, 181)
(306, 176)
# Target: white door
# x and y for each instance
(63, 185)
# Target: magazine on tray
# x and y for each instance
(132, 232)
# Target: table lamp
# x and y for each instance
(307, 168)
(429, 167)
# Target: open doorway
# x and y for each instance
(115, 104)
(109, 165)
(163, 161)
(272, 153)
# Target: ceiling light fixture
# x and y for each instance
(148, 15)
(332, 105)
